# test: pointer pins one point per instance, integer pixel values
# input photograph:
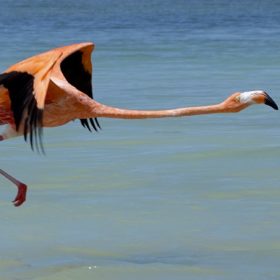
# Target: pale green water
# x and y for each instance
(193, 198)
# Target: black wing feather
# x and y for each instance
(75, 73)
(24, 106)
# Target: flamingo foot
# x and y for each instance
(21, 195)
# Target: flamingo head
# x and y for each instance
(241, 100)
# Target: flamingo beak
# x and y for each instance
(269, 101)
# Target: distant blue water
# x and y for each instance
(188, 198)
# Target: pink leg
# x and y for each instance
(22, 188)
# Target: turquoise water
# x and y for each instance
(189, 198)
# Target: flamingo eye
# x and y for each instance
(237, 98)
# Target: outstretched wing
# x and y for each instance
(27, 83)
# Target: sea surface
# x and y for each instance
(189, 198)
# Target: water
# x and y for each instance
(190, 198)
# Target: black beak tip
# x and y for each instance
(270, 102)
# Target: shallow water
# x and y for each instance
(188, 198)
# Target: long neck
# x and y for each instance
(101, 110)
(90, 108)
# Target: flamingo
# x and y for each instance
(52, 88)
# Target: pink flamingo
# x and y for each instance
(53, 88)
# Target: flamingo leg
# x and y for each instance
(22, 188)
